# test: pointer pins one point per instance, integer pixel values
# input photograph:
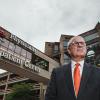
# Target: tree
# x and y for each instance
(21, 91)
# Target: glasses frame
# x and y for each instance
(76, 43)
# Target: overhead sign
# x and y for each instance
(22, 63)
(21, 42)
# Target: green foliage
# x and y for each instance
(21, 92)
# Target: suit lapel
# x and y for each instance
(69, 83)
(68, 80)
(84, 78)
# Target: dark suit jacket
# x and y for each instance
(60, 86)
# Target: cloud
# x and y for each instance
(37, 21)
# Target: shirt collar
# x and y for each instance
(80, 62)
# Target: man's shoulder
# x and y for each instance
(62, 67)
(93, 66)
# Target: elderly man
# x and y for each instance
(77, 80)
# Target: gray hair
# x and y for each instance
(71, 40)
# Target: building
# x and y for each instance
(92, 38)
(52, 50)
(23, 61)
(57, 50)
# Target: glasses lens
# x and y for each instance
(78, 43)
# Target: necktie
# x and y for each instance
(76, 78)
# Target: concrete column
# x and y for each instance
(41, 91)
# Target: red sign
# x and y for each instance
(2, 34)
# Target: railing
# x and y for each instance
(12, 80)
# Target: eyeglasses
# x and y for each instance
(75, 43)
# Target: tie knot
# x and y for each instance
(77, 64)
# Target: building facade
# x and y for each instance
(92, 38)
(24, 61)
(58, 50)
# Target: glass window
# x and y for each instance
(23, 52)
(42, 64)
(5, 43)
(65, 43)
(56, 47)
(91, 37)
(18, 49)
(11, 46)
(29, 55)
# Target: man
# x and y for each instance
(77, 80)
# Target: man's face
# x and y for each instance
(77, 48)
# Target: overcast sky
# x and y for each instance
(38, 21)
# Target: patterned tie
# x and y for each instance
(76, 78)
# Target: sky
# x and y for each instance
(40, 21)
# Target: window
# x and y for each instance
(5, 43)
(65, 44)
(42, 64)
(17, 49)
(91, 37)
(11, 46)
(56, 48)
(29, 55)
(23, 52)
